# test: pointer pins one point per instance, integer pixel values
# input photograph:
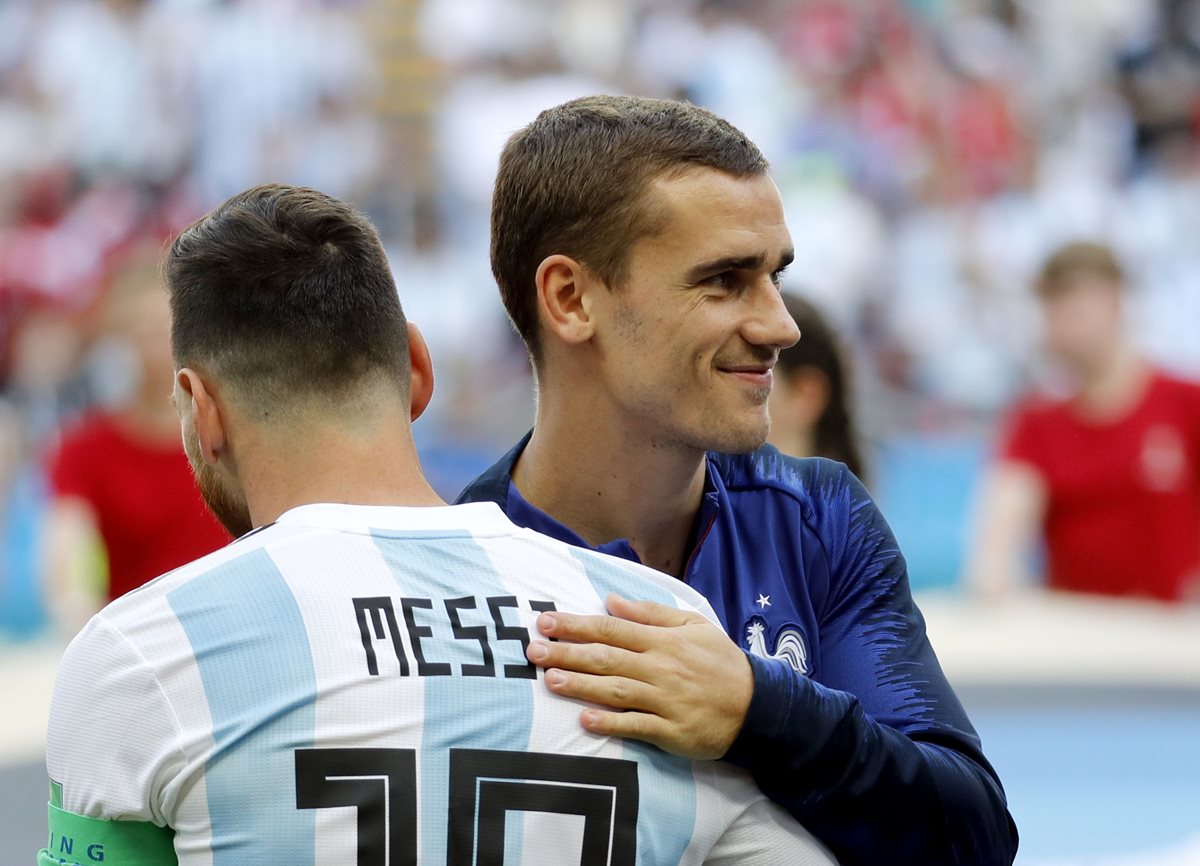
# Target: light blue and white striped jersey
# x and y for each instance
(349, 686)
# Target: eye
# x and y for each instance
(777, 277)
(723, 280)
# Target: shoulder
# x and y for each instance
(823, 496)
(492, 485)
(1038, 406)
(810, 482)
(1184, 388)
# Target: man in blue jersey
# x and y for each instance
(638, 246)
(347, 682)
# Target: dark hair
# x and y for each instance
(285, 293)
(575, 179)
(819, 348)
(1074, 260)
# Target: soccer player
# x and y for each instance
(638, 245)
(347, 683)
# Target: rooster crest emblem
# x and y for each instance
(789, 645)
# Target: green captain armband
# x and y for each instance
(79, 841)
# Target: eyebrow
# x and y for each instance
(737, 263)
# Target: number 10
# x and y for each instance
(484, 785)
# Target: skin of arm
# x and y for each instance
(1012, 504)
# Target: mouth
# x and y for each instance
(755, 375)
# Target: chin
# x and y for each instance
(737, 440)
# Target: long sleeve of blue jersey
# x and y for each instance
(874, 749)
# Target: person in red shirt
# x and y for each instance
(120, 480)
(1111, 474)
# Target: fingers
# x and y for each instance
(632, 626)
(616, 693)
(647, 727)
(593, 658)
(648, 612)
(639, 726)
(607, 630)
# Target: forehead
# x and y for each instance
(1080, 288)
(707, 214)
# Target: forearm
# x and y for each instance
(868, 791)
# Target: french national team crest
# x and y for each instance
(789, 644)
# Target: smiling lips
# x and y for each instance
(758, 375)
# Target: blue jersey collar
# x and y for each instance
(496, 485)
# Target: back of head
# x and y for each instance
(574, 182)
(284, 296)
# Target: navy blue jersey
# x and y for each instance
(852, 726)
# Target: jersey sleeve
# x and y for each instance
(755, 831)
(882, 733)
(112, 738)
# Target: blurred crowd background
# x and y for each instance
(929, 152)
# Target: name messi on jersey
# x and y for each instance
(431, 636)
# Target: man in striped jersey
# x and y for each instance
(347, 683)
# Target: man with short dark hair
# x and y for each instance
(1108, 475)
(638, 245)
(347, 683)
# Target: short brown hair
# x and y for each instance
(1079, 259)
(574, 182)
(285, 293)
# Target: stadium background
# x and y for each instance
(929, 153)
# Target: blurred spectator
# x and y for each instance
(280, 90)
(120, 480)
(1161, 80)
(1110, 473)
(101, 71)
(812, 413)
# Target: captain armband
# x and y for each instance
(79, 841)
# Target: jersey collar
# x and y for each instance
(496, 485)
(476, 518)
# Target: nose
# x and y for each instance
(769, 323)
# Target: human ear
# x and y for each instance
(198, 408)
(563, 287)
(420, 388)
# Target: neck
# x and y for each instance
(1115, 383)
(798, 442)
(332, 465)
(608, 480)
